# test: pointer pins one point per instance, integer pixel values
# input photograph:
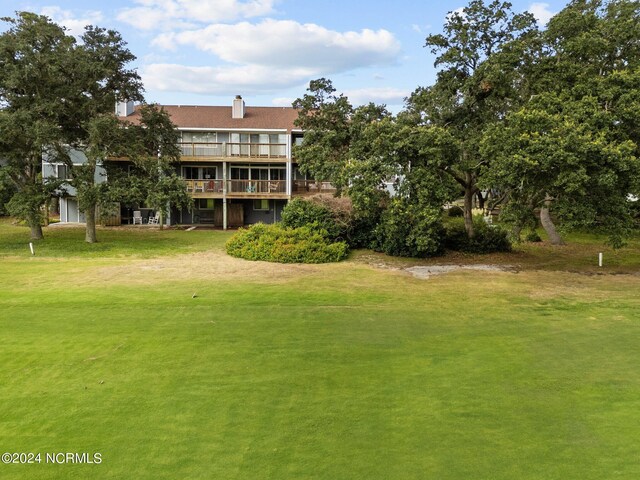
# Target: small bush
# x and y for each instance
(363, 231)
(487, 239)
(533, 237)
(407, 231)
(334, 215)
(276, 243)
(634, 211)
(455, 211)
(302, 213)
(7, 190)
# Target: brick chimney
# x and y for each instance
(237, 110)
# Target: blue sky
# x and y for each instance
(204, 52)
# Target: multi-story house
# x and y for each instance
(236, 161)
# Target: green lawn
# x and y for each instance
(64, 241)
(340, 371)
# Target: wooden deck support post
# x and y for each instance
(289, 177)
(224, 196)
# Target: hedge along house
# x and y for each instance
(236, 162)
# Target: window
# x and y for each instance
(205, 203)
(199, 137)
(261, 204)
(238, 173)
(199, 173)
(277, 174)
(259, 174)
(277, 145)
(190, 173)
(61, 172)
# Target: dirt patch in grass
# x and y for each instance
(426, 272)
(575, 258)
(218, 266)
(197, 266)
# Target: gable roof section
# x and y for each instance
(255, 118)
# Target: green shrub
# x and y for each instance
(634, 211)
(533, 237)
(303, 213)
(363, 231)
(455, 211)
(7, 190)
(335, 216)
(277, 243)
(487, 238)
(407, 231)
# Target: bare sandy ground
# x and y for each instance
(219, 266)
(429, 271)
(198, 266)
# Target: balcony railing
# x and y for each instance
(257, 186)
(309, 187)
(205, 186)
(254, 150)
(262, 187)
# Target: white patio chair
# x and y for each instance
(137, 217)
(155, 220)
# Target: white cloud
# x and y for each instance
(251, 79)
(541, 12)
(257, 57)
(74, 24)
(459, 11)
(386, 95)
(421, 29)
(267, 56)
(283, 43)
(171, 14)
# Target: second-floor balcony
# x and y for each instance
(311, 187)
(226, 149)
(245, 188)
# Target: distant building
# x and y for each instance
(236, 162)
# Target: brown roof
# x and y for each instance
(190, 116)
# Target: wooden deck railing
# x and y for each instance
(309, 187)
(205, 186)
(274, 187)
(228, 149)
(257, 186)
(264, 187)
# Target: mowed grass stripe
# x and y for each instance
(343, 371)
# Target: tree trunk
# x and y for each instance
(516, 232)
(161, 220)
(36, 230)
(468, 210)
(90, 232)
(481, 199)
(547, 223)
(46, 212)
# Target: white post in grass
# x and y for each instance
(600, 259)
(31, 248)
